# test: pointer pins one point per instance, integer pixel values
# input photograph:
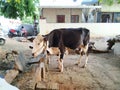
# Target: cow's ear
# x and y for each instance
(31, 39)
(43, 35)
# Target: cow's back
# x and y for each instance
(69, 37)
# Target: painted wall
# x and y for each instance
(97, 29)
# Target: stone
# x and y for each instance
(11, 75)
(20, 62)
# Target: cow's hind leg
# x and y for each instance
(86, 54)
(83, 51)
(79, 52)
(85, 61)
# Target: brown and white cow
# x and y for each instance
(49, 51)
(73, 38)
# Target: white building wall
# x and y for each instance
(50, 14)
(97, 29)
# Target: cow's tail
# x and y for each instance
(86, 34)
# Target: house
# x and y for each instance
(110, 14)
(69, 11)
(74, 14)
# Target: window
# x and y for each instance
(74, 18)
(60, 18)
(117, 17)
(106, 18)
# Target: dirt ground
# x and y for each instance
(101, 73)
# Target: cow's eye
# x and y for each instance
(38, 43)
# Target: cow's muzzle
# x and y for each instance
(33, 54)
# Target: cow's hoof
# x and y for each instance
(46, 69)
(83, 66)
(61, 71)
(57, 68)
(77, 64)
(48, 63)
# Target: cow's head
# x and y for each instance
(39, 45)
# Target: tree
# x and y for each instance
(86, 13)
(18, 8)
(109, 2)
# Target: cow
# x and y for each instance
(73, 38)
(49, 51)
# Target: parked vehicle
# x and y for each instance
(22, 30)
(2, 38)
(26, 30)
(13, 33)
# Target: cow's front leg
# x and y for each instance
(48, 59)
(60, 65)
(79, 60)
